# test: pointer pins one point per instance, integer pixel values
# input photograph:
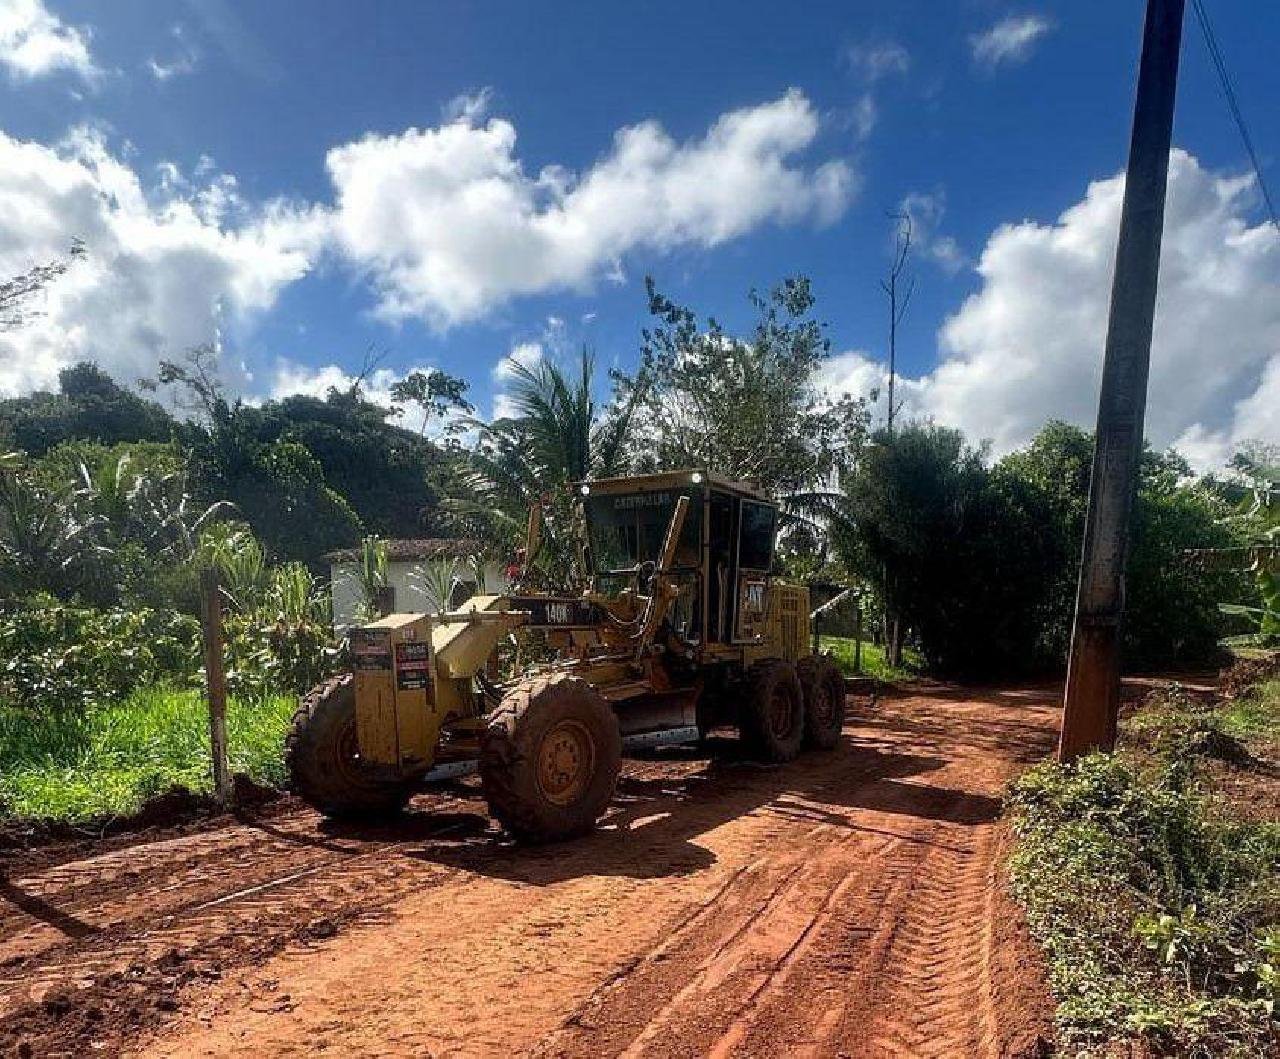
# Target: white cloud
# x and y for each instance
(864, 115)
(1027, 346)
(470, 108)
(526, 355)
(450, 226)
(926, 210)
(184, 61)
(34, 42)
(165, 268)
(291, 378)
(875, 61)
(1012, 39)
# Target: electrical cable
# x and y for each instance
(1233, 104)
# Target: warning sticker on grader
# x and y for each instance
(412, 666)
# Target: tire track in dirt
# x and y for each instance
(46, 910)
(838, 905)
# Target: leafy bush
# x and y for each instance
(1158, 912)
(108, 761)
(60, 658)
(278, 656)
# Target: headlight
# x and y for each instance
(696, 477)
(584, 489)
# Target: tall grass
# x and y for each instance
(873, 659)
(108, 761)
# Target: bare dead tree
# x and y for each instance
(17, 291)
(899, 295)
(899, 292)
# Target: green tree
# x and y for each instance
(982, 562)
(89, 406)
(748, 407)
(1171, 605)
(952, 553)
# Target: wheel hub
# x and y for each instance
(566, 762)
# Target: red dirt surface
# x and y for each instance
(848, 904)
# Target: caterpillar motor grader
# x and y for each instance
(682, 629)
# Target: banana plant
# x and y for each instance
(44, 531)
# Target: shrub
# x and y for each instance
(1157, 911)
(60, 658)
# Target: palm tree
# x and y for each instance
(556, 435)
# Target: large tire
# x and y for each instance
(823, 685)
(549, 758)
(772, 717)
(322, 755)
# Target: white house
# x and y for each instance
(405, 563)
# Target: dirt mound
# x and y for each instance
(172, 808)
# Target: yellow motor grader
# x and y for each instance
(681, 630)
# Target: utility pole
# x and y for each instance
(1093, 673)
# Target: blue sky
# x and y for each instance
(975, 115)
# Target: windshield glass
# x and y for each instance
(626, 529)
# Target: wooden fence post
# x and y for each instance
(215, 684)
(857, 637)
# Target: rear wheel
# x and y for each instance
(772, 718)
(823, 686)
(323, 756)
(549, 758)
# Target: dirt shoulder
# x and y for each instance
(850, 903)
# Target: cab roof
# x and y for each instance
(644, 483)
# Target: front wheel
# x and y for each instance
(322, 754)
(549, 758)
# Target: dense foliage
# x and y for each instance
(981, 561)
(55, 658)
(106, 496)
(1158, 907)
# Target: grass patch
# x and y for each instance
(873, 659)
(1158, 907)
(108, 761)
(1255, 715)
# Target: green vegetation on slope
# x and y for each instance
(107, 761)
(1157, 905)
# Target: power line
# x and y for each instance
(1228, 90)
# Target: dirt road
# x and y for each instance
(842, 905)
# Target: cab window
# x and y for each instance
(755, 541)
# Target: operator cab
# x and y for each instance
(723, 556)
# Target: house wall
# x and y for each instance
(402, 576)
